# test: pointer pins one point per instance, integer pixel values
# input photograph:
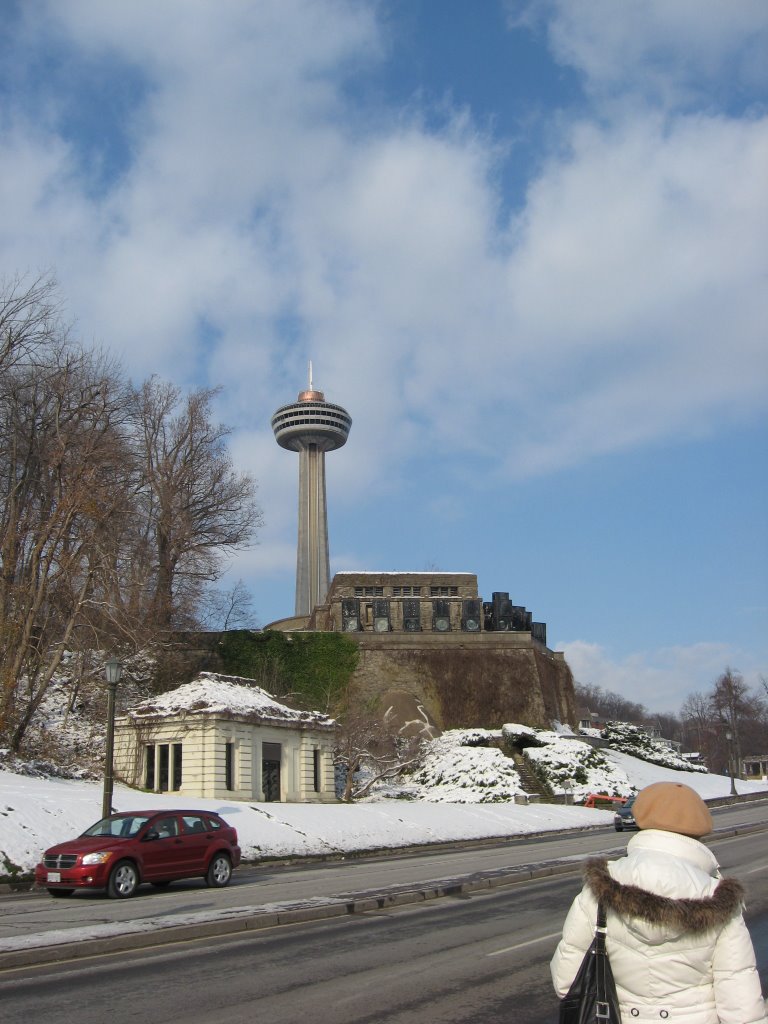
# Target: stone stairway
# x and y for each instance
(529, 780)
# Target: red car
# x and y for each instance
(120, 852)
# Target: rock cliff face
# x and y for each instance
(480, 681)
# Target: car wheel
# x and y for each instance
(219, 871)
(123, 880)
(61, 892)
(618, 828)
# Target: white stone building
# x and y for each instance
(222, 737)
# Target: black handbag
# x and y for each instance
(592, 998)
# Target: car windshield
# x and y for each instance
(123, 825)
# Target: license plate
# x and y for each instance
(54, 876)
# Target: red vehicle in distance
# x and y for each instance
(604, 802)
(120, 852)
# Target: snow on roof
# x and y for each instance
(213, 693)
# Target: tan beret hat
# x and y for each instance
(672, 807)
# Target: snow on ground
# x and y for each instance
(455, 770)
(709, 787)
(570, 764)
(36, 813)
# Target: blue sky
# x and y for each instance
(523, 244)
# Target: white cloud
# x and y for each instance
(659, 679)
(670, 51)
(597, 323)
(624, 304)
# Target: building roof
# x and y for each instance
(211, 693)
(402, 572)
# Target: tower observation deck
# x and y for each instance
(311, 426)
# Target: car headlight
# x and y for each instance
(97, 858)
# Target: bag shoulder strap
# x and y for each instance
(600, 929)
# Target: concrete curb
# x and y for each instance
(275, 915)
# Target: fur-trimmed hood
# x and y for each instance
(692, 916)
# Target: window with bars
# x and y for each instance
(316, 765)
(229, 766)
(178, 766)
(164, 766)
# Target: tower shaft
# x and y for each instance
(312, 562)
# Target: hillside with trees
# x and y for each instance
(704, 722)
(117, 504)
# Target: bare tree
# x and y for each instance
(367, 752)
(195, 506)
(609, 705)
(29, 320)
(63, 477)
(696, 715)
(229, 609)
(115, 506)
(734, 706)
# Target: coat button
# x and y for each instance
(635, 1012)
(663, 1014)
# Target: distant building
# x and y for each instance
(693, 757)
(590, 720)
(222, 737)
(755, 766)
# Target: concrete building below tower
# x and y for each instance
(419, 602)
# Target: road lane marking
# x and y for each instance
(522, 945)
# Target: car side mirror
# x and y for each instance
(152, 834)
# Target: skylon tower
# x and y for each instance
(311, 426)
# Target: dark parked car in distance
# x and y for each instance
(120, 852)
(624, 818)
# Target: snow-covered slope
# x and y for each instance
(37, 812)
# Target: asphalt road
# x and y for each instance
(27, 913)
(455, 960)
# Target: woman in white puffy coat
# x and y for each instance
(676, 938)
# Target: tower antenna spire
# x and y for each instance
(310, 375)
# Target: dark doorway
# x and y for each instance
(270, 771)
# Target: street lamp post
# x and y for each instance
(729, 738)
(113, 671)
